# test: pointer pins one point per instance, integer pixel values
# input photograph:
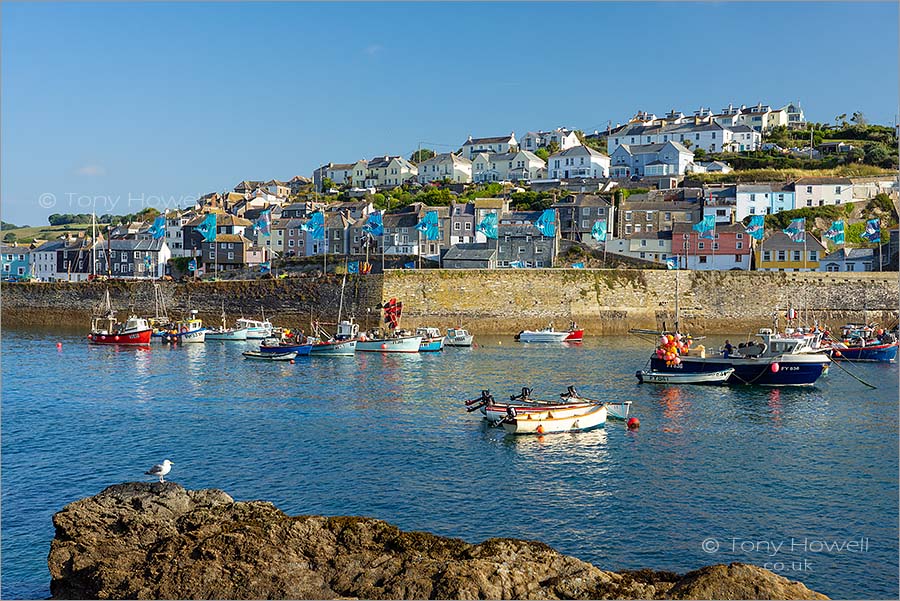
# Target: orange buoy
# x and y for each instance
(838, 354)
(292, 361)
(540, 430)
(633, 423)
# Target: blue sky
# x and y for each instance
(125, 105)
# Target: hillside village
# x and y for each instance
(643, 193)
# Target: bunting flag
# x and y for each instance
(707, 227)
(409, 265)
(672, 263)
(598, 232)
(757, 227)
(365, 268)
(265, 267)
(315, 226)
(488, 226)
(577, 265)
(546, 223)
(374, 224)
(392, 312)
(158, 229)
(192, 265)
(796, 230)
(353, 267)
(207, 228)
(148, 263)
(836, 232)
(264, 223)
(873, 231)
(429, 225)
(517, 264)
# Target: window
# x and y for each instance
(586, 211)
(701, 245)
(701, 259)
(715, 246)
(601, 211)
(290, 244)
(540, 264)
(837, 189)
(627, 215)
(468, 226)
(538, 250)
(809, 189)
(782, 255)
(849, 267)
(644, 242)
(767, 255)
(649, 216)
(753, 198)
(831, 267)
(668, 216)
(584, 223)
(456, 227)
(809, 203)
(813, 255)
(521, 250)
(739, 237)
(739, 245)
(627, 229)
(643, 255)
(796, 255)
(231, 255)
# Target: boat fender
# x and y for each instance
(775, 367)
(633, 423)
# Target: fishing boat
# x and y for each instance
(551, 421)
(189, 330)
(547, 334)
(777, 360)
(576, 334)
(226, 333)
(333, 348)
(432, 340)
(105, 329)
(260, 356)
(458, 337)
(160, 322)
(864, 343)
(393, 341)
(256, 330)
(286, 345)
(618, 409)
(654, 377)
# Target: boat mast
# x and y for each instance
(677, 328)
(341, 305)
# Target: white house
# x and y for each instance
(175, 221)
(849, 259)
(564, 139)
(389, 172)
(711, 137)
(43, 261)
(670, 158)
(650, 246)
(521, 166)
(495, 145)
(340, 173)
(578, 161)
(822, 191)
(446, 166)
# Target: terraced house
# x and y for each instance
(778, 252)
(445, 167)
(521, 166)
(389, 172)
(493, 145)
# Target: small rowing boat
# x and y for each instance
(257, 355)
(550, 422)
(655, 377)
(547, 334)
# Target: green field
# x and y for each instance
(46, 232)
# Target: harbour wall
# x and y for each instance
(490, 302)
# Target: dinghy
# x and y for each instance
(259, 356)
(655, 377)
(550, 422)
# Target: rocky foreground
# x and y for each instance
(140, 540)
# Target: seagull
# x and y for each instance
(161, 470)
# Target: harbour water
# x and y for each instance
(786, 478)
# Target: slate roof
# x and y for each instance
(471, 252)
(851, 254)
(822, 181)
(492, 140)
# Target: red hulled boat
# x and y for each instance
(105, 329)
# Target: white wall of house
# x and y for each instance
(445, 166)
(718, 262)
(473, 147)
(817, 195)
(578, 161)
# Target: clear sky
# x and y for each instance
(133, 104)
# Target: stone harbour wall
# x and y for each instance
(605, 301)
(612, 301)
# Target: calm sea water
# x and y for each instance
(760, 475)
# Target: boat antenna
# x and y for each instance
(677, 324)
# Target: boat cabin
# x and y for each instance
(347, 330)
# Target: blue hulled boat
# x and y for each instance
(775, 361)
(865, 343)
(274, 345)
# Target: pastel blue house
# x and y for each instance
(14, 262)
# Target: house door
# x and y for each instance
(566, 176)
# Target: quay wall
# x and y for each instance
(612, 301)
(492, 302)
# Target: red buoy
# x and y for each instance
(838, 354)
(59, 345)
(775, 367)
(292, 361)
(633, 423)
(383, 346)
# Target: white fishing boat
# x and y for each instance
(389, 344)
(190, 330)
(256, 330)
(655, 377)
(458, 337)
(547, 334)
(333, 348)
(432, 340)
(549, 421)
(618, 409)
(226, 333)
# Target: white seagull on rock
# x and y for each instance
(160, 470)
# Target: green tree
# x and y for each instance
(699, 153)
(542, 153)
(423, 154)
(859, 118)
(10, 237)
(553, 147)
(327, 184)
(856, 155)
(841, 120)
(876, 153)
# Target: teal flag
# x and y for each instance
(836, 232)
(873, 231)
(598, 232)
(546, 223)
(429, 225)
(577, 265)
(207, 228)
(374, 225)
(757, 227)
(315, 225)
(707, 227)
(672, 263)
(796, 230)
(158, 229)
(488, 226)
